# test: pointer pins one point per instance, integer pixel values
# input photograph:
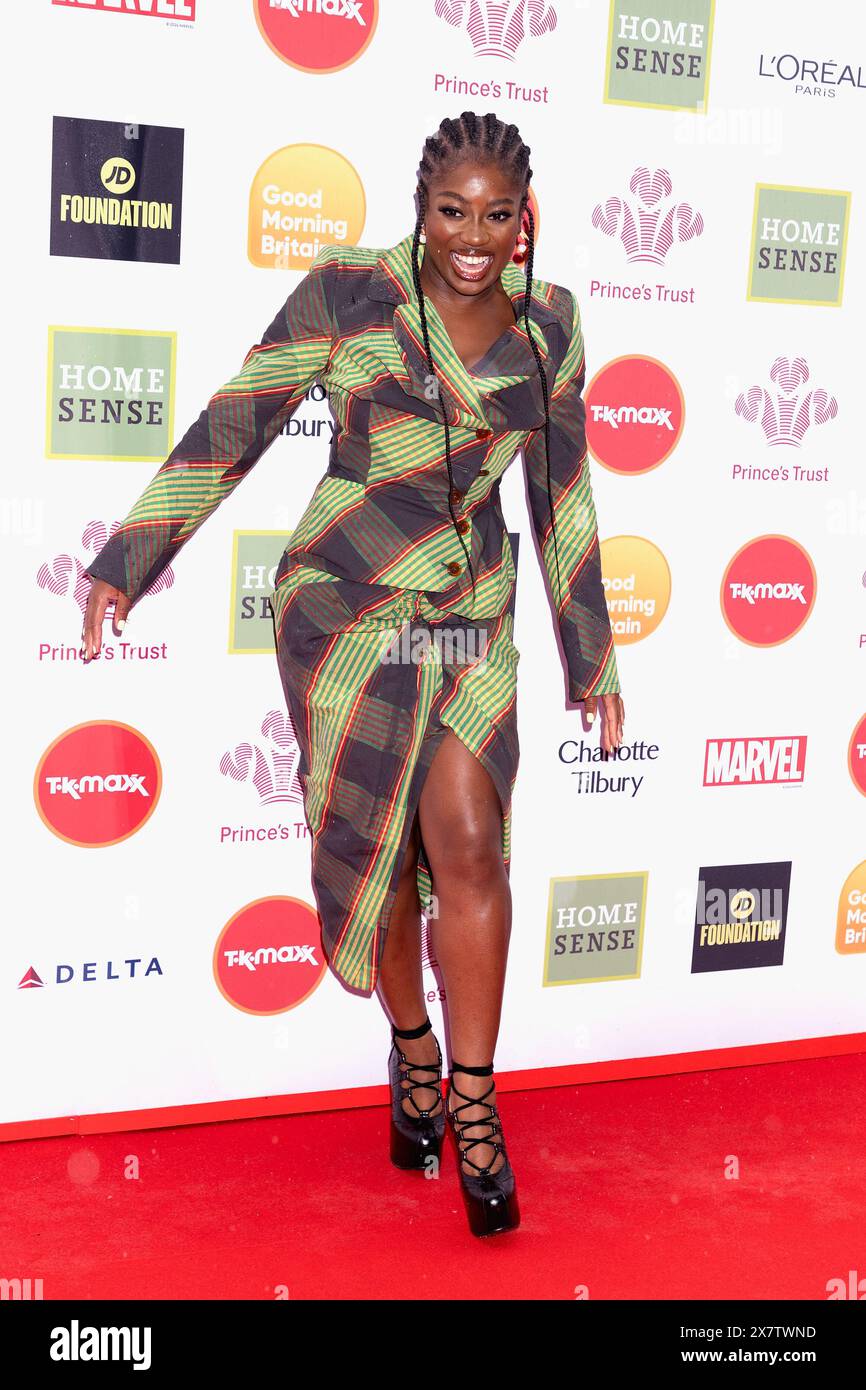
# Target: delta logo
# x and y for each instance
(752, 762)
(635, 412)
(317, 36)
(269, 956)
(97, 783)
(89, 971)
(768, 590)
(154, 9)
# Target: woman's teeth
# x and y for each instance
(472, 267)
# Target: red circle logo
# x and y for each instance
(269, 956)
(857, 756)
(768, 590)
(323, 39)
(97, 783)
(634, 414)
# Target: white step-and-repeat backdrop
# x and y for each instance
(698, 175)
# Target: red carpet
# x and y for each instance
(622, 1186)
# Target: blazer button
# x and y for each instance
(456, 495)
(463, 526)
(453, 567)
(483, 434)
(482, 472)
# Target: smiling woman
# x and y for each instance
(442, 361)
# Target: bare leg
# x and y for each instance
(461, 824)
(401, 984)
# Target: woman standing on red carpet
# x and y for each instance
(438, 369)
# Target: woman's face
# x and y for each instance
(472, 222)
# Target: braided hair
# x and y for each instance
(491, 141)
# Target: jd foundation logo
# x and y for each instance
(317, 35)
(768, 590)
(635, 414)
(658, 54)
(799, 240)
(97, 783)
(851, 916)
(303, 197)
(116, 190)
(740, 917)
(595, 928)
(110, 394)
(269, 956)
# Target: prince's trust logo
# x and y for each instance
(787, 410)
(498, 28)
(595, 928)
(650, 226)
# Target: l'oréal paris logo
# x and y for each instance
(811, 77)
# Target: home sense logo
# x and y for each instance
(317, 35)
(269, 956)
(97, 783)
(659, 54)
(116, 190)
(768, 590)
(799, 239)
(110, 394)
(595, 928)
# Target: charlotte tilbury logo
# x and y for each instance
(497, 28)
(787, 410)
(650, 226)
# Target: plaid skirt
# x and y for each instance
(373, 676)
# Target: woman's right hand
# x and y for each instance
(101, 595)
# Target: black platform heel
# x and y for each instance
(414, 1138)
(490, 1198)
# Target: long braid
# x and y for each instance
(492, 141)
(416, 276)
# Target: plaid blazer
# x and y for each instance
(380, 514)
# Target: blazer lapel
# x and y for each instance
(469, 401)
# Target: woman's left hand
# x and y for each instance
(612, 718)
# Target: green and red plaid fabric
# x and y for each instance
(375, 548)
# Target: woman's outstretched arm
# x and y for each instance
(219, 449)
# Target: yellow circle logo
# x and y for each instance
(637, 585)
(118, 176)
(303, 197)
